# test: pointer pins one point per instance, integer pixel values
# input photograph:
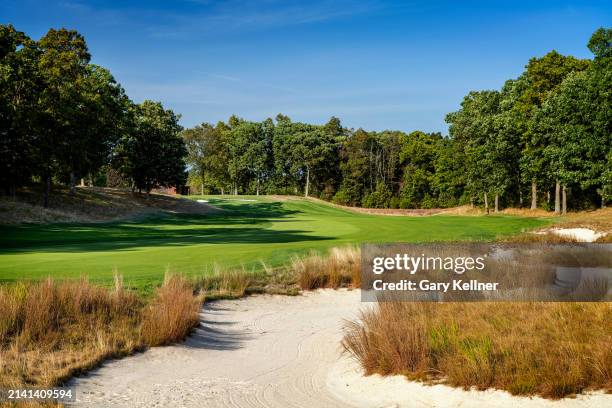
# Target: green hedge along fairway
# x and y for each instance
(247, 231)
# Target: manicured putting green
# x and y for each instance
(248, 231)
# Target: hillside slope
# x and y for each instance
(91, 204)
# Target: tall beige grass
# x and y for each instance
(340, 268)
(173, 312)
(50, 330)
(549, 349)
(224, 283)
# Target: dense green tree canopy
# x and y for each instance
(544, 136)
(20, 84)
(62, 118)
(600, 43)
(152, 154)
(546, 131)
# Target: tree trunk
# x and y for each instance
(371, 172)
(548, 197)
(603, 197)
(72, 183)
(47, 191)
(307, 181)
(496, 202)
(520, 198)
(82, 182)
(486, 202)
(534, 195)
(202, 191)
(564, 201)
(258, 186)
(222, 191)
(557, 197)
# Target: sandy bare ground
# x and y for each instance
(578, 234)
(275, 351)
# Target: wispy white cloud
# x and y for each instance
(102, 16)
(207, 17)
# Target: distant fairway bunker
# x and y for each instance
(243, 234)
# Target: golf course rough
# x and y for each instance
(247, 231)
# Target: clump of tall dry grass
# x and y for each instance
(526, 212)
(224, 283)
(50, 330)
(172, 314)
(549, 349)
(340, 268)
(545, 238)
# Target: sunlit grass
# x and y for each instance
(243, 235)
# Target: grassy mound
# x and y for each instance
(90, 204)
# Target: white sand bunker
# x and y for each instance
(202, 201)
(578, 234)
(349, 385)
(275, 351)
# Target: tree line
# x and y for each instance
(542, 140)
(63, 118)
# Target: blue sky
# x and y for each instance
(375, 64)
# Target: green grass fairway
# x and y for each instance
(245, 233)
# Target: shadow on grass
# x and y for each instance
(247, 224)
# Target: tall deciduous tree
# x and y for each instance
(207, 155)
(575, 125)
(310, 148)
(418, 155)
(152, 153)
(474, 128)
(542, 76)
(355, 168)
(63, 67)
(20, 85)
(103, 109)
